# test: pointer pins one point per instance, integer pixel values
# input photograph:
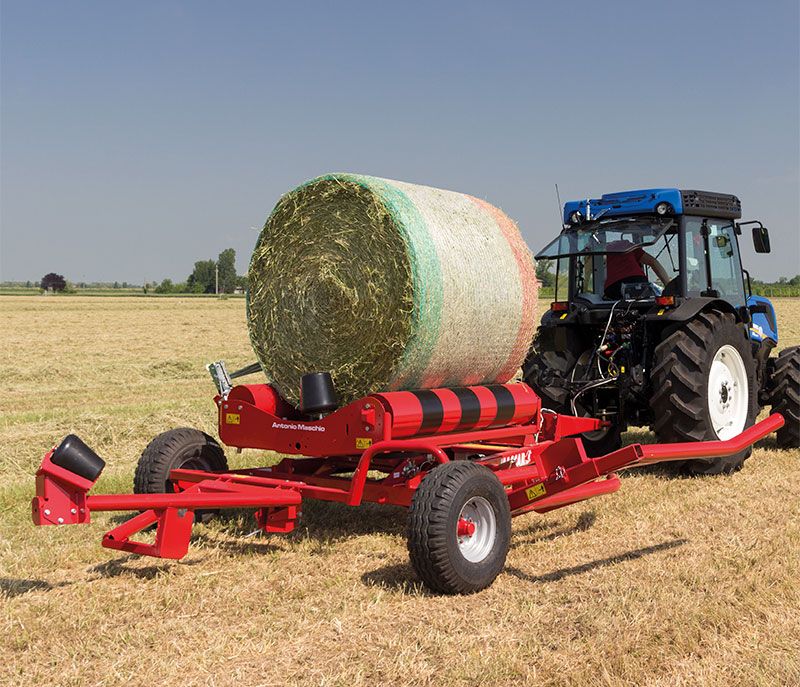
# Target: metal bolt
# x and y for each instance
(367, 428)
(61, 521)
(73, 510)
(47, 511)
(367, 406)
(238, 407)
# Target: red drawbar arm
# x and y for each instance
(655, 453)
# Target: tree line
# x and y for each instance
(208, 276)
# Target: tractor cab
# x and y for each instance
(651, 247)
(654, 323)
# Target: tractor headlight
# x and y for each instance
(576, 217)
(663, 209)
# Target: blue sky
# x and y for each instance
(139, 137)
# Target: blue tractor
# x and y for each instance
(654, 323)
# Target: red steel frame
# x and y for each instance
(538, 460)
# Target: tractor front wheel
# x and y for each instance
(705, 387)
(459, 528)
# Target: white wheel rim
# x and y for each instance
(477, 546)
(728, 393)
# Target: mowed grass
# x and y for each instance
(668, 582)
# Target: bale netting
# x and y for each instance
(389, 285)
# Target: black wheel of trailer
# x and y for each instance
(704, 387)
(459, 528)
(177, 448)
(785, 395)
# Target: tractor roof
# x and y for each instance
(644, 201)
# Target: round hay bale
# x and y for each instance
(389, 285)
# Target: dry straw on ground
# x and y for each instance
(389, 285)
(690, 582)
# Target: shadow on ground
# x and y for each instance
(11, 587)
(561, 573)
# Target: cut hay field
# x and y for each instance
(668, 582)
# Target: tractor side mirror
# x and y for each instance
(761, 239)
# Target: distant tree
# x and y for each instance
(124, 285)
(53, 282)
(543, 273)
(243, 282)
(145, 286)
(166, 286)
(115, 285)
(202, 279)
(28, 284)
(226, 263)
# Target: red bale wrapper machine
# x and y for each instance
(464, 461)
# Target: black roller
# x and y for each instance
(73, 455)
(317, 394)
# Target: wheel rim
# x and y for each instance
(477, 529)
(728, 393)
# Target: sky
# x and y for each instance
(137, 138)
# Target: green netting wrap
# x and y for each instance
(388, 285)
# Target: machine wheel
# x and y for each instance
(459, 528)
(602, 441)
(555, 398)
(785, 395)
(177, 448)
(705, 387)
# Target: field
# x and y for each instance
(668, 582)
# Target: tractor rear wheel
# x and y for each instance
(177, 448)
(705, 387)
(540, 371)
(785, 395)
(459, 528)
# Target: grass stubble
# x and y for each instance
(668, 582)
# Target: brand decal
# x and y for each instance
(519, 459)
(297, 425)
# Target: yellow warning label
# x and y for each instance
(232, 418)
(563, 317)
(661, 312)
(363, 442)
(535, 491)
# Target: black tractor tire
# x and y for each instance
(680, 378)
(785, 396)
(177, 448)
(556, 398)
(434, 545)
(603, 441)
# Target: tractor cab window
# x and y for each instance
(726, 270)
(723, 259)
(598, 251)
(694, 247)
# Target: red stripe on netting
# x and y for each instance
(529, 284)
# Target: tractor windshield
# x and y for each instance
(617, 235)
